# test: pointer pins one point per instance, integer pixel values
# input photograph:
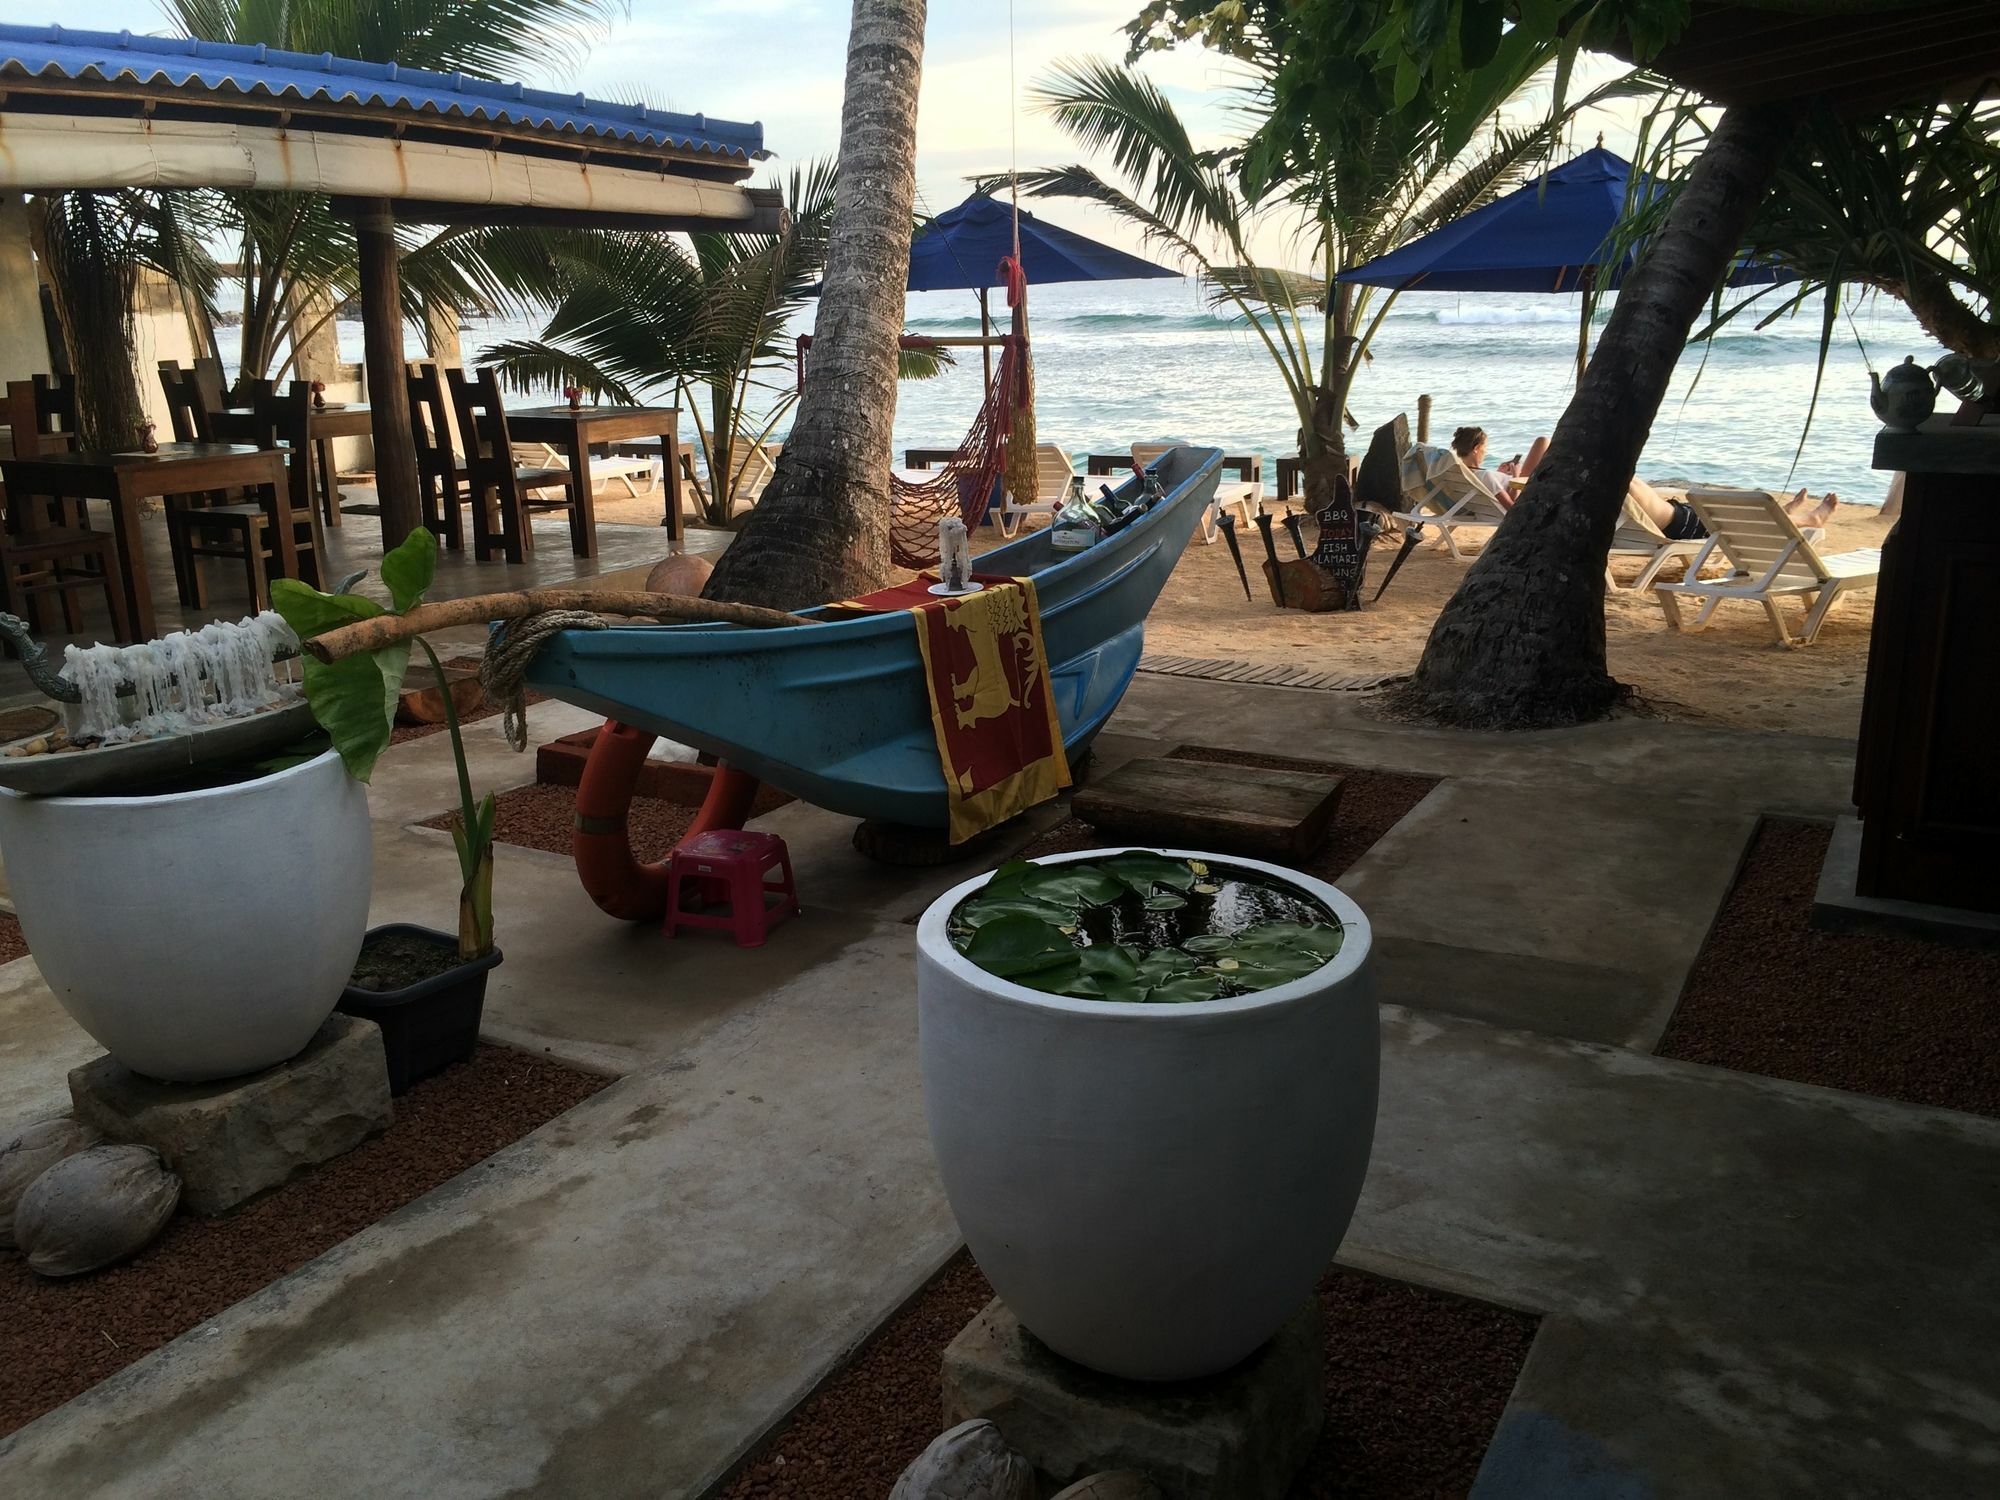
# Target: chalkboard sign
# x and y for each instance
(1344, 536)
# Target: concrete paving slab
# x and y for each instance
(1588, 877)
(617, 1306)
(1589, 1002)
(1678, 764)
(1758, 1288)
(39, 1044)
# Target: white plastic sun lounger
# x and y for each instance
(1637, 536)
(1438, 490)
(604, 467)
(1237, 495)
(1768, 557)
(1053, 472)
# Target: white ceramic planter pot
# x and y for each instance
(201, 934)
(1152, 1189)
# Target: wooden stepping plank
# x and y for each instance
(1269, 814)
(1261, 675)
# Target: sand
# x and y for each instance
(1733, 673)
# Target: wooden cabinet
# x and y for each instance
(1927, 774)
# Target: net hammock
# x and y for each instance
(999, 447)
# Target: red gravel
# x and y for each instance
(1371, 803)
(59, 1338)
(1897, 1017)
(1416, 1381)
(12, 944)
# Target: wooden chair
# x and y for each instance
(188, 410)
(246, 533)
(41, 552)
(503, 494)
(440, 482)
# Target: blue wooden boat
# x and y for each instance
(837, 714)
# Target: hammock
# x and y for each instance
(1000, 445)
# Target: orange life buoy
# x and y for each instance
(602, 843)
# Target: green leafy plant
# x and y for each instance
(1142, 928)
(354, 700)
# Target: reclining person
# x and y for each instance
(1675, 518)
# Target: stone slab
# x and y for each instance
(1269, 814)
(1241, 1435)
(1836, 908)
(237, 1137)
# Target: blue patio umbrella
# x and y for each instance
(962, 247)
(1550, 236)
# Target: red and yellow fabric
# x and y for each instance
(992, 705)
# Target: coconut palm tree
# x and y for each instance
(94, 247)
(1387, 185)
(821, 529)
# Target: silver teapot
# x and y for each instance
(1904, 397)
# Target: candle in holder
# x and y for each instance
(954, 556)
(148, 442)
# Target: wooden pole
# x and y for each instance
(388, 396)
(386, 630)
(985, 333)
(1585, 283)
(1423, 419)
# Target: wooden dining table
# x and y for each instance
(571, 430)
(334, 420)
(125, 479)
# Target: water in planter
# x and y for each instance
(1145, 927)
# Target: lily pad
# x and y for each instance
(1127, 928)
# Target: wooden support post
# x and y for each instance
(1423, 419)
(388, 395)
(985, 332)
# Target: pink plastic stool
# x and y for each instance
(739, 864)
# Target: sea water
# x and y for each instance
(1149, 361)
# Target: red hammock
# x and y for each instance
(965, 484)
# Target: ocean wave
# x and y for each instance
(1129, 322)
(1486, 317)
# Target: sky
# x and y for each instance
(782, 62)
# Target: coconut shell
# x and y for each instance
(94, 1208)
(970, 1462)
(29, 1154)
(682, 573)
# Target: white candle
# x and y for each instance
(954, 556)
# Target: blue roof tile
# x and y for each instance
(183, 62)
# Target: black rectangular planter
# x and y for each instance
(429, 1025)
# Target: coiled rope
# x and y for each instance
(503, 670)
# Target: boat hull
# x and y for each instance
(837, 713)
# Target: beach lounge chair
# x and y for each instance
(1638, 536)
(1241, 496)
(1438, 490)
(604, 467)
(1053, 472)
(1769, 557)
(759, 464)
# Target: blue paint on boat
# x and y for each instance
(837, 714)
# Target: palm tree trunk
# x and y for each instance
(88, 256)
(1521, 644)
(821, 529)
